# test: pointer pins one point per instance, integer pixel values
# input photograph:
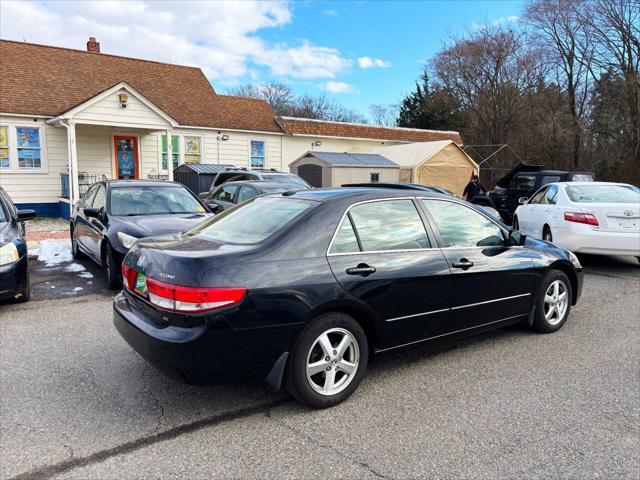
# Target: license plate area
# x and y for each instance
(628, 222)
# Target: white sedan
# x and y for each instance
(584, 217)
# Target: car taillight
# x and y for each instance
(192, 299)
(579, 217)
(128, 276)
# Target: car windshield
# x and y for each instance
(603, 194)
(153, 200)
(280, 178)
(252, 222)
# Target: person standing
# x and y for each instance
(473, 188)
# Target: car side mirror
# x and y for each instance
(523, 200)
(92, 212)
(214, 207)
(26, 215)
(517, 238)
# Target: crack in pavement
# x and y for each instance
(146, 441)
(317, 442)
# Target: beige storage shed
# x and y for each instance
(440, 164)
(333, 169)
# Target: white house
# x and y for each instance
(81, 115)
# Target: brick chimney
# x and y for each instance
(93, 46)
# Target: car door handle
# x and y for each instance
(463, 263)
(362, 269)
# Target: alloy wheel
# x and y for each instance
(332, 361)
(556, 302)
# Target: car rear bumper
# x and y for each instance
(584, 239)
(206, 354)
(12, 276)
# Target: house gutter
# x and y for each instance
(59, 120)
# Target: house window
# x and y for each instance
(375, 177)
(192, 149)
(257, 154)
(175, 151)
(4, 148)
(28, 143)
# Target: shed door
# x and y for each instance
(312, 174)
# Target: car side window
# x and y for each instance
(524, 183)
(225, 194)
(550, 195)
(389, 225)
(99, 200)
(246, 193)
(538, 196)
(460, 226)
(13, 211)
(345, 240)
(88, 197)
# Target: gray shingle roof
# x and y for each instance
(336, 159)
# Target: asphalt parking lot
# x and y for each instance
(77, 402)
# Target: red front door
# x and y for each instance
(126, 157)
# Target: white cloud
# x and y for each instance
(338, 87)
(368, 62)
(330, 12)
(222, 38)
(496, 22)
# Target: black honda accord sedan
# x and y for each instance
(304, 288)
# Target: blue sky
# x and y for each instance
(358, 52)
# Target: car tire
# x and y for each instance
(546, 234)
(516, 224)
(24, 292)
(113, 278)
(553, 302)
(75, 248)
(310, 355)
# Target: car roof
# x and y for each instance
(141, 183)
(568, 184)
(360, 193)
(260, 183)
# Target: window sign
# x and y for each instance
(175, 150)
(28, 142)
(257, 154)
(192, 149)
(4, 148)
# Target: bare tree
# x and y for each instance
(386, 115)
(558, 32)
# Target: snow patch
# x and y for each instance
(74, 267)
(86, 275)
(54, 252)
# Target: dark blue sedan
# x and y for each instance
(114, 214)
(14, 267)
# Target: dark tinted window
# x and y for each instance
(253, 222)
(550, 179)
(389, 225)
(153, 200)
(461, 226)
(524, 182)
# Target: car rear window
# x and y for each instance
(251, 222)
(153, 200)
(285, 179)
(603, 194)
(581, 177)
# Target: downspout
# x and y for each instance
(69, 172)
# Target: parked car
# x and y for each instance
(14, 265)
(593, 217)
(114, 214)
(523, 180)
(267, 175)
(231, 193)
(307, 286)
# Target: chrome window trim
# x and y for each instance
(346, 212)
(451, 333)
(458, 307)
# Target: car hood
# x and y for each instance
(148, 225)
(521, 167)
